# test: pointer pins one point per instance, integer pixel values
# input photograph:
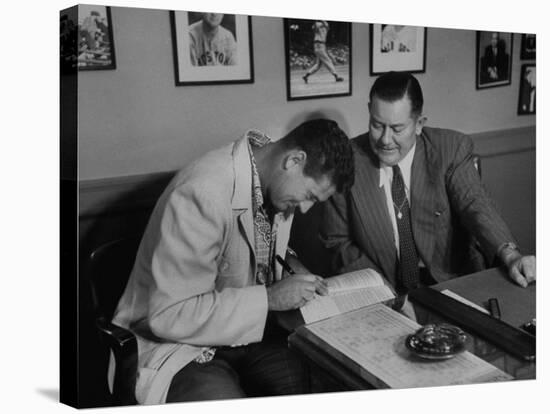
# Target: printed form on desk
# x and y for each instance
(373, 338)
(323, 307)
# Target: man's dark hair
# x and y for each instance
(393, 86)
(328, 151)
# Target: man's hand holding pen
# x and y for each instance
(294, 291)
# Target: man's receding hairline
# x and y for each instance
(414, 113)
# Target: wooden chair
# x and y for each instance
(109, 268)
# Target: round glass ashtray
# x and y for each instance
(437, 341)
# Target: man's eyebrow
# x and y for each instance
(402, 124)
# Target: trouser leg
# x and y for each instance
(214, 380)
(316, 66)
(273, 369)
(325, 58)
(259, 369)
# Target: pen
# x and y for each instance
(285, 265)
(494, 308)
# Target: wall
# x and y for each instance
(134, 120)
(135, 127)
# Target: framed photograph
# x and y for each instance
(527, 104)
(68, 47)
(493, 59)
(528, 46)
(318, 58)
(96, 48)
(397, 48)
(212, 48)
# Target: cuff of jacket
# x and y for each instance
(256, 306)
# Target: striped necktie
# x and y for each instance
(408, 258)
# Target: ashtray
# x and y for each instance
(437, 341)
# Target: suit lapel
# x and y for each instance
(423, 192)
(242, 192)
(370, 201)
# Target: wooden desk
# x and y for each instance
(517, 305)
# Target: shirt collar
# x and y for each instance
(256, 139)
(405, 165)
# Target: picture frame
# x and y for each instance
(96, 47)
(493, 59)
(528, 48)
(397, 48)
(68, 46)
(232, 62)
(318, 59)
(527, 90)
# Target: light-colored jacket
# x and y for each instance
(193, 283)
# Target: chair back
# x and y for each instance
(110, 267)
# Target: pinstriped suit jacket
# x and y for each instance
(447, 197)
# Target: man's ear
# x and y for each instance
(420, 122)
(294, 158)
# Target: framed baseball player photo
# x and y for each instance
(96, 49)
(318, 58)
(397, 48)
(212, 48)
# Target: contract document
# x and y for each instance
(371, 342)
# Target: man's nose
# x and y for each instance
(387, 136)
(305, 206)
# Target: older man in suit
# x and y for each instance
(415, 189)
(205, 274)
